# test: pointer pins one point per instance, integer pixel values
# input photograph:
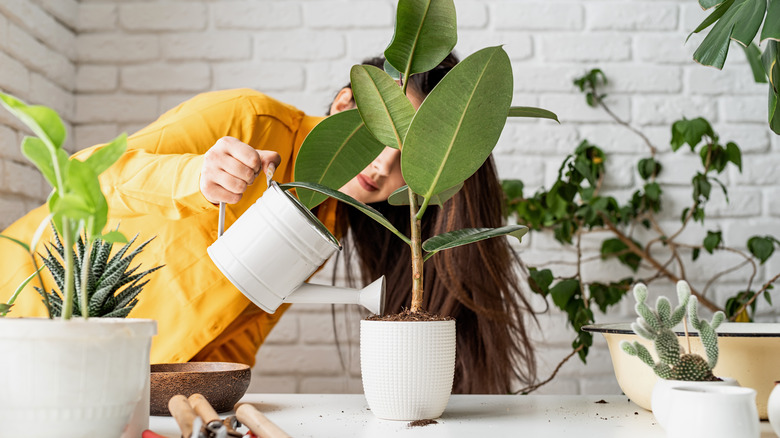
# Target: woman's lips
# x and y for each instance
(367, 184)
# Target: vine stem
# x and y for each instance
(534, 387)
(761, 291)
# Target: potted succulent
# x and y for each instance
(72, 377)
(408, 364)
(675, 364)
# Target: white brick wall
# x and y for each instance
(111, 65)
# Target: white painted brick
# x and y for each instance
(600, 386)
(773, 201)
(272, 384)
(21, 179)
(619, 172)
(708, 265)
(347, 15)
(172, 100)
(90, 135)
(310, 103)
(117, 48)
(631, 16)
(518, 45)
(166, 77)
(471, 14)
(287, 330)
(614, 139)
(41, 58)
(560, 385)
(691, 16)
(678, 168)
(537, 15)
(537, 78)
(663, 49)
(12, 208)
(585, 47)
(115, 108)
(328, 76)
(664, 110)
(299, 46)
(573, 108)
(42, 25)
(3, 33)
(331, 385)
(222, 46)
(743, 109)
(759, 170)
(643, 78)
(285, 359)
(9, 145)
(163, 16)
(742, 202)
(267, 76)
(66, 11)
(526, 168)
(543, 139)
(733, 79)
(751, 138)
(256, 15)
(366, 43)
(91, 78)
(47, 93)
(97, 17)
(14, 76)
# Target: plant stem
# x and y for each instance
(85, 278)
(529, 389)
(417, 256)
(67, 246)
(762, 290)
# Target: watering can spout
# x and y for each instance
(372, 297)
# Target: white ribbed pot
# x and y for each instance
(407, 367)
(72, 379)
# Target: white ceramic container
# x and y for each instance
(712, 412)
(407, 367)
(72, 379)
(661, 400)
(773, 408)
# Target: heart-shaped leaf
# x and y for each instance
(465, 236)
(459, 123)
(336, 150)
(382, 104)
(529, 111)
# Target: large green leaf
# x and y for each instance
(107, 155)
(706, 4)
(712, 18)
(83, 183)
(529, 111)
(401, 196)
(425, 33)
(43, 121)
(771, 60)
(459, 123)
(740, 23)
(336, 150)
(470, 235)
(753, 55)
(39, 154)
(384, 108)
(327, 191)
(771, 30)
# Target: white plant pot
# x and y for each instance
(661, 400)
(407, 367)
(72, 379)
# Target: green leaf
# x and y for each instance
(616, 248)
(114, 237)
(459, 123)
(761, 247)
(16, 241)
(384, 108)
(690, 132)
(771, 30)
(107, 155)
(713, 240)
(43, 121)
(401, 196)
(712, 18)
(83, 182)
(740, 23)
(648, 168)
(336, 150)
(653, 191)
(707, 4)
(753, 55)
(734, 154)
(540, 281)
(564, 291)
(529, 111)
(695, 254)
(465, 236)
(425, 33)
(368, 211)
(771, 60)
(391, 71)
(39, 154)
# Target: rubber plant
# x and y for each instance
(76, 202)
(442, 143)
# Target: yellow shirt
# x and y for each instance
(153, 190)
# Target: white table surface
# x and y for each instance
(546, 416)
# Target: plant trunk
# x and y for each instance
(417, 255)
(67, 243)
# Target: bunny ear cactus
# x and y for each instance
(658, 326)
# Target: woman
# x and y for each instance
(211, 149)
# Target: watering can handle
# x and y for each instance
(269, 174)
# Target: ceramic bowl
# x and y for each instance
(222, 383)
(749, 353)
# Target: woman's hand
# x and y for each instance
(230, 166)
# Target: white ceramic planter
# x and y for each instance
(72, 379)
(407, 367)
(712, 412)
(773, 408)
(662, 393)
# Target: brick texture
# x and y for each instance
(109, 66)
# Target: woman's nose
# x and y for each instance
(387, 160)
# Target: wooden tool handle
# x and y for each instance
(203, 408)
(258, 423)
(183, 414)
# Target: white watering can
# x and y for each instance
(275, 246)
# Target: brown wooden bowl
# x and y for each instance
(222, 383)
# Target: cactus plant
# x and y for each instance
(658, 326)
(107, 275)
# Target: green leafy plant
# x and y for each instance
(112, 285)
(658, 326)
(76, 202)
(740, 21)
(468, 110)
(577, 205)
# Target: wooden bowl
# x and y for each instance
(222, 383)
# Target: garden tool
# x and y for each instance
(190, 424)
(215, 427)
(258, 423)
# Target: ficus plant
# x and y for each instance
(76, 202)
(442, 143)
(577, 204)
(740, 21)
